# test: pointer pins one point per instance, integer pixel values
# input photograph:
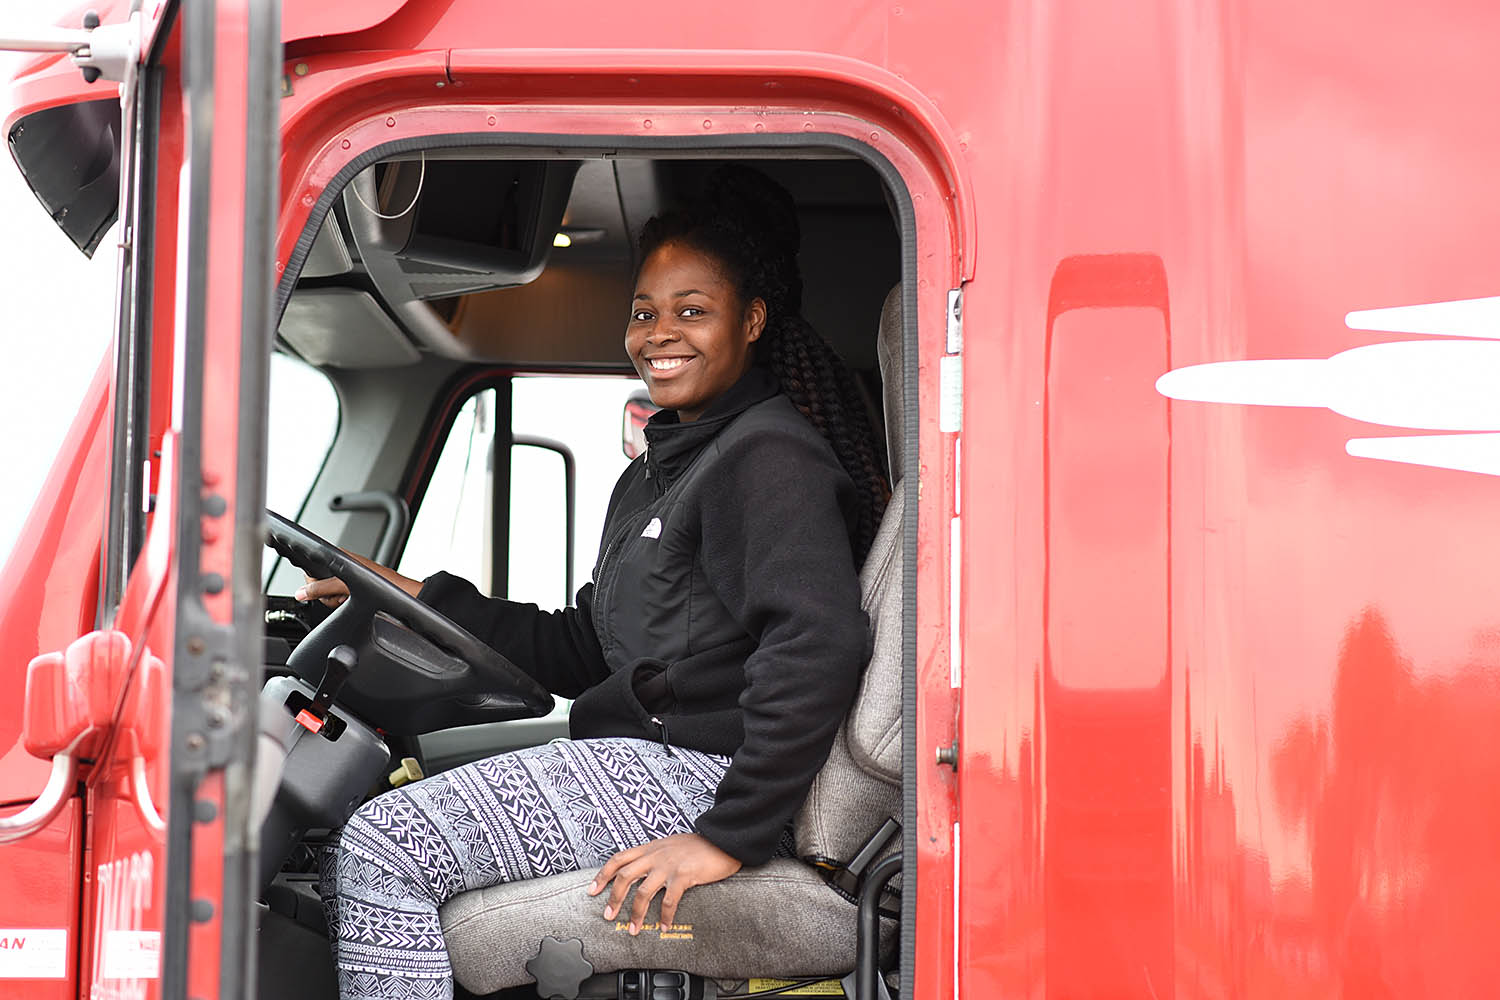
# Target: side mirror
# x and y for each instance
(638, 410)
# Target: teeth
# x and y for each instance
(666, 364)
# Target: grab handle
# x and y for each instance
(69, 705)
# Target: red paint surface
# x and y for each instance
(1265, 770)
(49, 587)
(40, 875)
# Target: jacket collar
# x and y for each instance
(671, 445)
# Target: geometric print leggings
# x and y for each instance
(559, 807)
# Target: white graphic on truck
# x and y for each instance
(33, 953)
(1450, 385)
(126, 956)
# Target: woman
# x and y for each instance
(713, 655)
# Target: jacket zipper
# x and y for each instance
(606, 581)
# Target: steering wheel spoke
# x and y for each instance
(432, 674)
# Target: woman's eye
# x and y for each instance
(641, 316)
(692, 311)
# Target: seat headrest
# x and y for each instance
(890, 348)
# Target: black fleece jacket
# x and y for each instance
(724, 611)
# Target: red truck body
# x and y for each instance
(1214, 649)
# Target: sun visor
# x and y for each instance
(436, 228)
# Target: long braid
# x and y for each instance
(817, 381)
(748, 224)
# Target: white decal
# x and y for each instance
(1460, 452)
(126, 956)
(653, 528)
(951, 393)
(1435, 385)
(132, 954)
(33, 953)
(1460, 318)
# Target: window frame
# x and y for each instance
(131, 456)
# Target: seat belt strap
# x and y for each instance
(847, 877)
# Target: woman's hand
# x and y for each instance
(332, 591)
(677, 863)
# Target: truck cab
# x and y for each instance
(1180, 324)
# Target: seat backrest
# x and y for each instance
(860, 785)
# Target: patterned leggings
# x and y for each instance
(560, 807)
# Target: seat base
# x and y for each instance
(724, 931)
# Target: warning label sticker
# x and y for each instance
(132, 954)
(33, 953)
(823, 988)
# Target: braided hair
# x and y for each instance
(747, 223)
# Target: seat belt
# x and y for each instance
(846, 878)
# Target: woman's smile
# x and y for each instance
(666, 367)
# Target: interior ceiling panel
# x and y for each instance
(344, 328)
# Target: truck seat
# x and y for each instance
(780, 919)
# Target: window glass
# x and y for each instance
(584, 413)
(452, 529)
(539, 527)
(304, 417)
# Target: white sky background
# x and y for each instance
(56, 315)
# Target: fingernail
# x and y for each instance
(300, 595)
(635, 929)
(609, 913)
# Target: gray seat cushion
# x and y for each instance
(860, 785)
(780, 919)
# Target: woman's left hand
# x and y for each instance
(676, 863)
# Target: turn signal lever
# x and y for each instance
(341, 663)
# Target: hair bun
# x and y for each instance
(756, 204)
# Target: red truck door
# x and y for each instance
(140, 883)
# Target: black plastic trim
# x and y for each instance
(126, 526)
(500, 487)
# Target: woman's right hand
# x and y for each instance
(332, 591)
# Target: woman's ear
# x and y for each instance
(755, 319)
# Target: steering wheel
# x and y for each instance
(418, 671)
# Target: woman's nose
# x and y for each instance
(662, 331)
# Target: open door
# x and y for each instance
(226, 212)
(134, 858)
